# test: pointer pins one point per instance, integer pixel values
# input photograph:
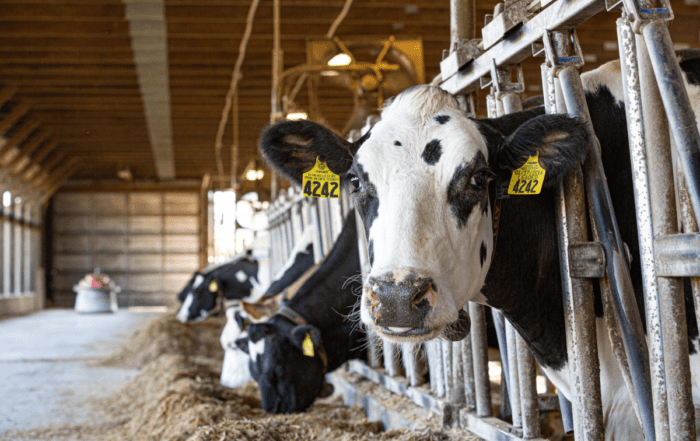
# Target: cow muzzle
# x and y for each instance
(399, 303)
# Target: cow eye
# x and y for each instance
(355, 181)
(480, 179)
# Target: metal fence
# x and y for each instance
(655, 367)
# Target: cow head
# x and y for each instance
(421, 181)
(289, 377)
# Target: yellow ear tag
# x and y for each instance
(308, 346)
(213, 286)
(528, 178)
(320, 182)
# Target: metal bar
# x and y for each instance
(324, 225)
(468, 366)
(678, 255)
(457, 387)
(316, 224)
(392, 363)
(617, 279)
(513, 377)
(447, 367)
(561, 14)
(500, 326)
(674, 332)
(18, 251)
(689, 227)
(482, 384)
(645, 124)
(579, 316)
(677, 105)
(530, 410)
(462, 20)
(439, 366)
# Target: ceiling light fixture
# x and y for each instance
(340, 60)
(294, 116)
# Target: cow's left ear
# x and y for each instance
(292, 147)
(305, 336)
(560, 140)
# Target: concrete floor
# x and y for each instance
(46, 372)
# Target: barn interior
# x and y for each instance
(129, 135)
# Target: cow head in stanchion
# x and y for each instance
(423, 181)
(287, 361)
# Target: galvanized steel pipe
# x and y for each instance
(482, 384)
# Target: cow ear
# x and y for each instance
(560, 140)
(292, 147)
(302, 336)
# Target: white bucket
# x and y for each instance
(91, 300)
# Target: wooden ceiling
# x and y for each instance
(70, 67)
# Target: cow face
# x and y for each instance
(191, 304)
(421, 181)
(289, 380)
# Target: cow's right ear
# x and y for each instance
(292, 147)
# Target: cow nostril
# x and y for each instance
(423, 295)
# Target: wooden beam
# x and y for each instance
(11, 118)
(35, 159)
(20, 135)
(52, 189)
(6, 94)
(25, 150)
(31, 172)
(42, 183)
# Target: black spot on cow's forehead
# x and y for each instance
(442, 119)
(397, 143)
(432, 152)
(461, 195)
(482, 253)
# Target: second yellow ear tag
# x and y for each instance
(528, 178)
(213, 286)
(307, 347)
(320, 182)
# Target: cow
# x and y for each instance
(424, 181)
(235, 370)
(311, 334)
(240, 279)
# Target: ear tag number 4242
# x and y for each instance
(320, 182)
(308, 346)
(528, 178)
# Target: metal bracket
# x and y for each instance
(587, 260)
(562, 49)
(464, 52)
(638, 14)
(514, 14)
(501, 80)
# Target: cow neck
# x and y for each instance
(325, 299)
(524, 280)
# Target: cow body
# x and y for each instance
(289, 380)
(421, 181)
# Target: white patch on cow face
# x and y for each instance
(255, 349)
(232, 331)
(241, 276)
(415, 227)
(198, 280)
(235, 371)
(184, 312)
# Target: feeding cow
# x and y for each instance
(421, 179)
(311, 335)
(240, 279)
(235, 370)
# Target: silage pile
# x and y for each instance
(177, 397)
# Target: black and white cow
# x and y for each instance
(289, 380)
(423, 183)
(241, 279)
(232, 280)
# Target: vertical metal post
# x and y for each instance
(457, 376)
(439, 367)
(617, 279)
(18, 251)
(411, 356)
(579, 314)
(324, 225)
(530, 410)
(689, 226)
(28, 250)
(513, 377)
(462, 19)
(663, 215)
(7, 252)
(446, 348)
(637, 128)
(482, 384)
(468, 367)
(500, 325)
(392, 364)
(677, 105)
(297, 220)
(316, 225)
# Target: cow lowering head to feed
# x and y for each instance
(424, 181)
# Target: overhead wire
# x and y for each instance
(233, 90)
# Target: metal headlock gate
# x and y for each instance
(291, 213)
(655, 367)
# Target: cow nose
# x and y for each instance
(400, 305)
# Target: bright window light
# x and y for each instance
(6, 199)
(340, 60)
(297, 116)
(254, 175)
(18, 200)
